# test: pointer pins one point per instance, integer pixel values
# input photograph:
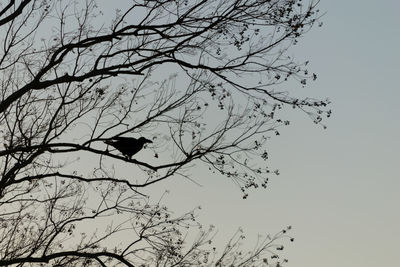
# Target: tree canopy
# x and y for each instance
(201, 79)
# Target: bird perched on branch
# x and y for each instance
(128, 146)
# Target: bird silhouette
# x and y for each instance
(128, 146)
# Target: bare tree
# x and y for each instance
(200, 79)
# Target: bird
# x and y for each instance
(128, 146)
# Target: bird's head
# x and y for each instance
(144, 140)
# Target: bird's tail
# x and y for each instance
(109, 142)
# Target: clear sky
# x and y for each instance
(339, 187)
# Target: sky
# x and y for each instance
(339, 187)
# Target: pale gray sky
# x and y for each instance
(339, 187)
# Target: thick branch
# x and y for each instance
(48, 258)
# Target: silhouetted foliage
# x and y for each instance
(201, 79)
